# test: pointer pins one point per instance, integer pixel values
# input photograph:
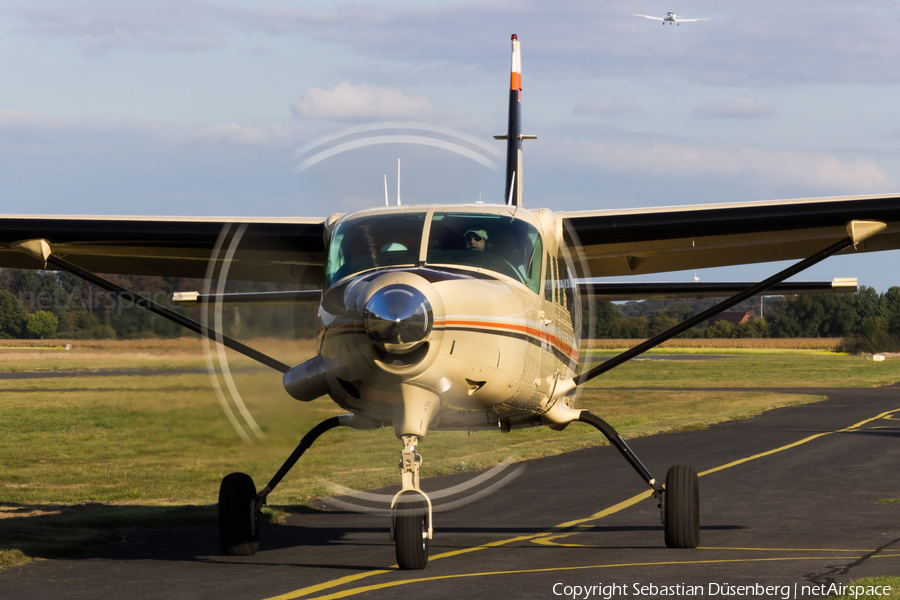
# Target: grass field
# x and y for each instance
(680, 344)
(748, 368)
(83, 455)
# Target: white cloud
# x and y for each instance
(16, 119)
(99, 45)
(100, 26)
(279, 20)
(32, 121)
(265, 136)
(270, 136)
(813, 170)
(618, 106)
(348, 102)
(795, 42)
(739, 108)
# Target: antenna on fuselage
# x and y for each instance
(387, 201)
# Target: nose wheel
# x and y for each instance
(411, 519)
(411, 535)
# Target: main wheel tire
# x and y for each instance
(238, 519)
(411, 535)
(682, 506)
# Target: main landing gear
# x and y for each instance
(681, 516)
(240, 504)
(678, 501)
(238, 516)
(411, 508)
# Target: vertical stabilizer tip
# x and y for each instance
(514, 37)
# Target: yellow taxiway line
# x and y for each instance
(390, 584)
(553, 533)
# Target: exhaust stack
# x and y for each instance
(307, 381)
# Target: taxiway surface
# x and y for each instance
(788, 499)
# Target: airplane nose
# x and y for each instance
(398, 318)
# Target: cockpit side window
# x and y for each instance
(374, 242)
(498, 243)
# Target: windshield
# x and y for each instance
(374, 242)
(499, 243)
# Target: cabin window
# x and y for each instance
(550, 286)
(573, 303)
(564, 291)
(374, 242)
(548, 282)
(498, 243)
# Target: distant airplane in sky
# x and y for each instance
(670, 18)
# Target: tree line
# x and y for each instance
(45, 304)
(50, 304)
(867, 321)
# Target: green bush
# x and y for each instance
(721, 329)
(12, 316)
(97, 332)
(42, 324)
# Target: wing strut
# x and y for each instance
(167, 313)
(854, 237)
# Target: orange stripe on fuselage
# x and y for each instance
(359, 328)
(515, 81)
(541, 335)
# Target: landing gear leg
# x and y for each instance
(239, 504)
(411, 520)
(679, 500)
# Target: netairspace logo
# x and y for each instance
(601, 591)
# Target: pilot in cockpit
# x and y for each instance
(475, 239)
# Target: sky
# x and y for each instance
(233, 108)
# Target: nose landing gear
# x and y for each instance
(411, 519)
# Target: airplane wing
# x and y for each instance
(649, 17)
(285, 250)
(606, 243)
(680, 20)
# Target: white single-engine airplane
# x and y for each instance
(455, 317)
(670, 18)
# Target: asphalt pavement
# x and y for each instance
(789, 506)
